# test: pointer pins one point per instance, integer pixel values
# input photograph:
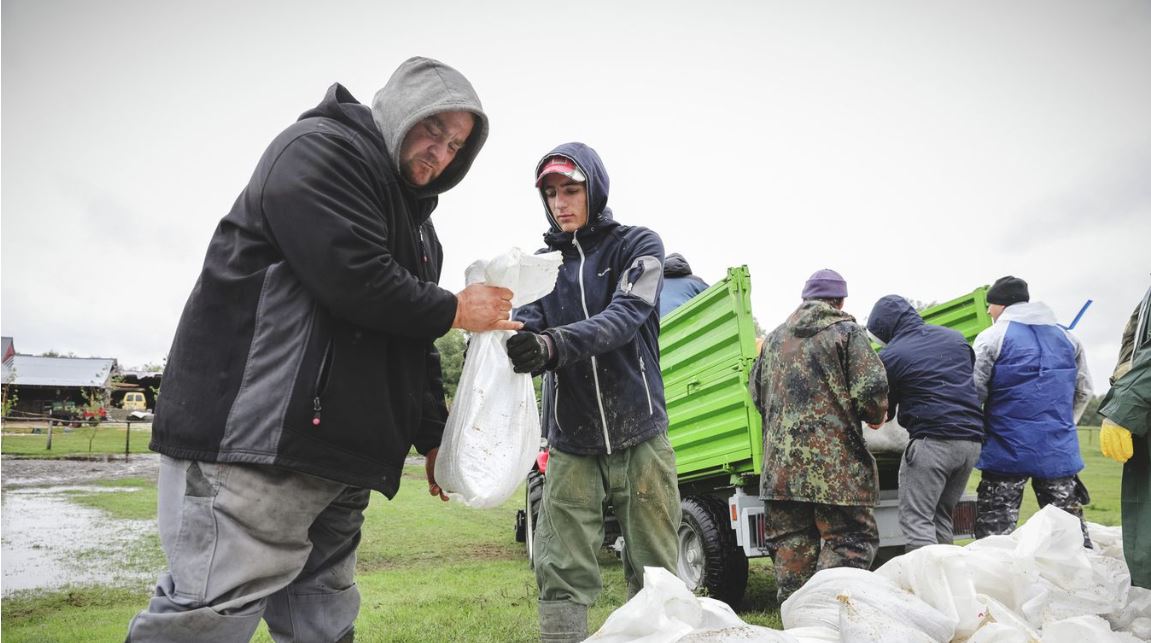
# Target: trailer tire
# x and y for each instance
(710, 561)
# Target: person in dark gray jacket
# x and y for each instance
(303, 369)
(596, 337)
(929, 375)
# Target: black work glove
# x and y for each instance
(529, 351)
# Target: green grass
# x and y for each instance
(427, 571)
(68, 442)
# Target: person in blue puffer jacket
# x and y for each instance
(596, 339)
(1032, 378)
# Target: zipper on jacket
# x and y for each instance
(594, 362)
(321, 383)
(556, 403)
(643, 375)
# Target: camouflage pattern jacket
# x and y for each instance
(816, 378)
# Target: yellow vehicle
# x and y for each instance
(135, 401)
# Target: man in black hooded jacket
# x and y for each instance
(929, 375)
(304, 370)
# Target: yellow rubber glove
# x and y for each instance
(1115, 442)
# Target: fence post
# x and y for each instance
(49, 447)
(127, 440)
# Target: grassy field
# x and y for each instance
(428, 571)
(27, 440)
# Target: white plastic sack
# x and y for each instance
(889, 438)
(1082, 629)
(1043, 573)
(492, 433)
(867, 604)
(665, 610)
(940, 575)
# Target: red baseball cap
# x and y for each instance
(560, 165)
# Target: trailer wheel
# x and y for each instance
(533, 498)
(710, 561)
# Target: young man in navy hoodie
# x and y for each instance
(596, 338)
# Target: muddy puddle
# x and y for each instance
(49, 542)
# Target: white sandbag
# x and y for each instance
(941, 577)
(492, 434)
(862, 623)
(864, 602)
(1082, 629)
(1135, 615)
(1107, 541)
(889, 438)
(1000, 633)
(665, 610)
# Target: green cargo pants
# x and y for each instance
(640, 484)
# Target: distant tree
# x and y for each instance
(451, 348)
(1091, 415)
(759, 331)
(51, 352)
(920, 305)
(8, 394)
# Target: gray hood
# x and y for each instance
(419, 88)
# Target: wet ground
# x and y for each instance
(16, 473)
(50, 542)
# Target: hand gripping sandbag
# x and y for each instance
(493, 430)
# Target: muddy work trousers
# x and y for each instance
(639, 483)
(1000, 497)
(246, 542)
(805, 537)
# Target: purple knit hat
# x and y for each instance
(825, 284)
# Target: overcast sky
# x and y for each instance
(919, 148)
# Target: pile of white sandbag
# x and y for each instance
(1038, 584)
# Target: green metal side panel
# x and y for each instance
(707, 347)
(966, 314)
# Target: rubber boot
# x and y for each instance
(562, 622)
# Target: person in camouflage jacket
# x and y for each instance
(816, 379)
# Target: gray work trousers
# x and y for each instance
(932, 477)
(246, 542)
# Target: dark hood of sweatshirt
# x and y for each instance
(599, 215)
(814, 315)
(676, 266)
(339, 104)
(419, 88)
(891, 316)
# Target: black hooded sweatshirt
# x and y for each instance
(929, 373)
(307, 341)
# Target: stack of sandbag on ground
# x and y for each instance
(862, 606)
(665, 611)
(1038, 584)
(492, 434)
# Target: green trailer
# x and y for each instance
(707, 348)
